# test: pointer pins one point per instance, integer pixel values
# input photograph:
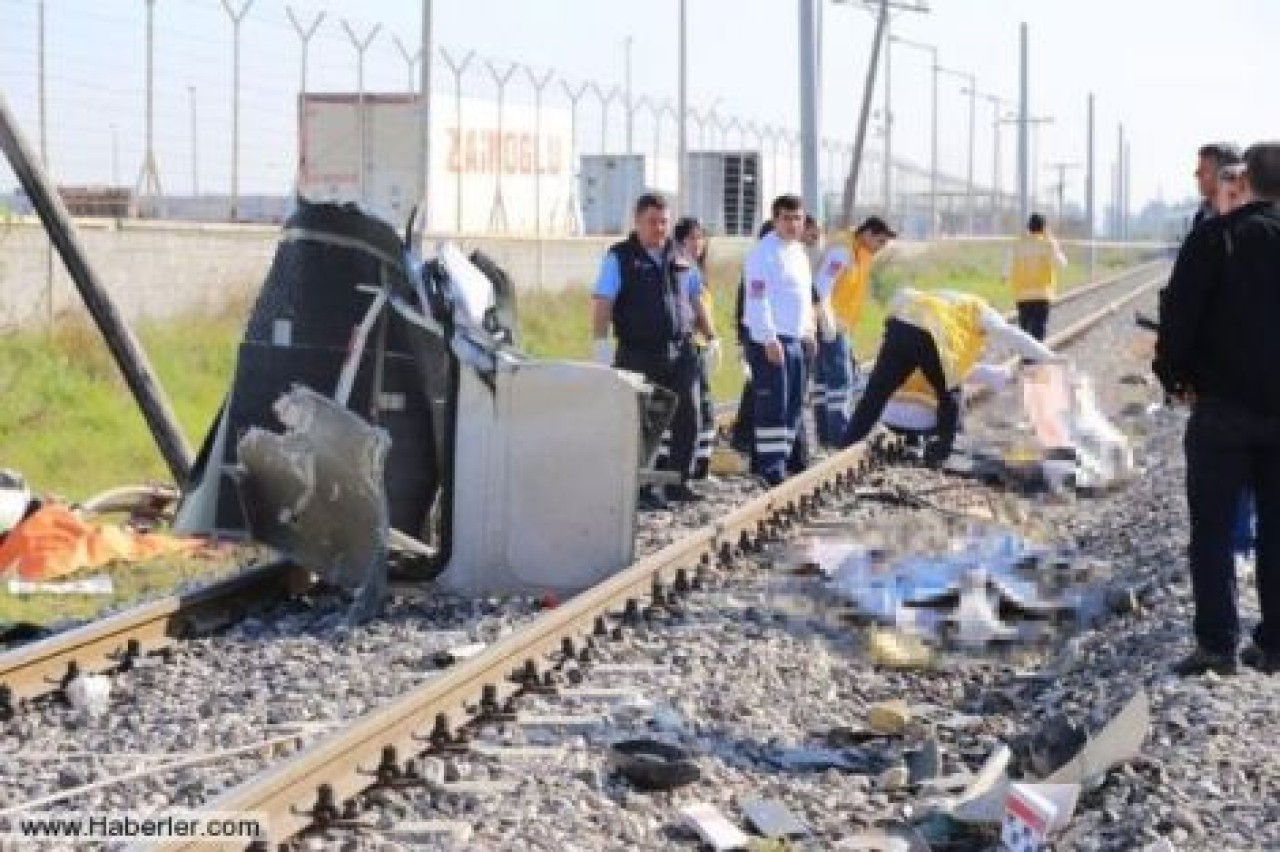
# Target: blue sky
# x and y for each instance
(1178, 72)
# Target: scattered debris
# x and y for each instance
(889, 717)
(90, 694)
(54, 541)
(813, 760)
(15, 499)
(459, 653)
(651, 765)
(894, 837)
(898, 649)
(1055, 743)
(772, 819)
(1034, 812)
(924, 763)
(1118, 743)
(713, 828)
(99, 584)
(983, 800)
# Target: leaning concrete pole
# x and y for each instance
(851, 183)
(810, 122)
(124, 347)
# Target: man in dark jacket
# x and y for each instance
(1211, 159)
(1217, 351)
(644, 294)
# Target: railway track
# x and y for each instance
(318, 788)
(44, 667)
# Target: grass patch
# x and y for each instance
(70, 425)
(131, 583)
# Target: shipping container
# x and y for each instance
(728, 191)
(508, 174)
(609, 185)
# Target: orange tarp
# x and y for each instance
(55, 541)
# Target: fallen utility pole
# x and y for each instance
(124, 346)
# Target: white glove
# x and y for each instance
(712, 354)
(744, 363)
(602, 351)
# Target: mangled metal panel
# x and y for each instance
(298, 333)
(316, 493)
(546, 476)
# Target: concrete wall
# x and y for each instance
(163, 269)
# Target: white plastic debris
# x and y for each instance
(99, 584)
(14, 499)
(90, 694)
(1034, 813)
(975, 615)
(712, 826)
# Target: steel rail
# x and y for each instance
(317, 786)
(46, 666)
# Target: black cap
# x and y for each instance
(876, 225)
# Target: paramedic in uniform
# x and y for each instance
(643, 292)
(842, 281)
(940, 334)
(1032, 271)
(778, 316)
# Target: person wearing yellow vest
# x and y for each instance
(913, 408)
(1032, 271)
(842, 282)
(940, 334)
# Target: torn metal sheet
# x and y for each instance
(1118, 743)
(772, 819)
(315, 492)
(983, 800)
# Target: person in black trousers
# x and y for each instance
(1216, 351)
(645, 294)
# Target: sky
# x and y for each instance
(1175, 72)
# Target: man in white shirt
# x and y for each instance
(778, 317)
(940, 335)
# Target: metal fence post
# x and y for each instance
(458, 67)
(233, 212)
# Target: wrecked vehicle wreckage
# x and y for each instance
(415, 428)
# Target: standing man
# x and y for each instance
(778, 315)
(1216, 350)
(1032, 270)
(843, 280)
(644, 293)
(1211, 159)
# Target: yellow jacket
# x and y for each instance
(849, 292)
(1033, 268)
(954, 320)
